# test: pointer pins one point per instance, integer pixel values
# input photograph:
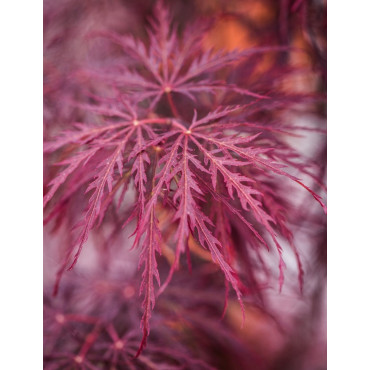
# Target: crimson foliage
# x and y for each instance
(179, 125)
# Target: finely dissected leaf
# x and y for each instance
(212, 87)
(234, 181)
(214, 115)
(165, 175)
(148, 258)
(196, 183)
(235, 211)
(73, 163)
(185, 202)
(138, 168)
(206, 239)
(252, 155)
(103, 179)
(170, 65)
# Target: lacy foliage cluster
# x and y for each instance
(174, 124)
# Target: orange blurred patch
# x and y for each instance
(300, 58)
(228, 34)
(259, 332)
(256, 10)
(304, 80)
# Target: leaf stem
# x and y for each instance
(172, 105)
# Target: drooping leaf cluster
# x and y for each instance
(166, 121)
